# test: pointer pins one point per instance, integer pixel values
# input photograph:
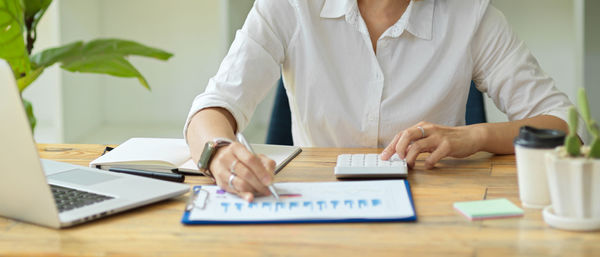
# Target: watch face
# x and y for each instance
(207, 153)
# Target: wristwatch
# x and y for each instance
(210, 148)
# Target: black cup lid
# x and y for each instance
(539, 138)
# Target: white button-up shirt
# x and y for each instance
(344, 94)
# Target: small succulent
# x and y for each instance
(572, 142)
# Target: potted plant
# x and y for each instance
(574, 175)
(18, 23)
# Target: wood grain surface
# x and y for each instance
(156, 230)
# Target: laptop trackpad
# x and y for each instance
(82, 177)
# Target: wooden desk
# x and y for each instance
(440, 231)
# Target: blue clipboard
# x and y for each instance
(197, 192)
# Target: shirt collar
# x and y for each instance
(419, 15)
(336, 8)
(420, 21)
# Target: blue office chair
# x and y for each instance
(280, 126)
(475, 112)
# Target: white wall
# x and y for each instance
(189, 29)
(82, 94)
(591, 44)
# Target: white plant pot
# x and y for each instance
(574, 185)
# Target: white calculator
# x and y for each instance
(369, 166)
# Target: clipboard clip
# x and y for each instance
(193, 202)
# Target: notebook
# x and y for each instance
(305, 202)
(172, 154)
(488, 209)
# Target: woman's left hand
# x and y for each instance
(440, 141)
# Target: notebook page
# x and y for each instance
(147, 152)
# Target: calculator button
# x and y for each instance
(369, 165)
(357, 160)
(371, 160)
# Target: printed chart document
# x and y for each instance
(306, 202)
(172, 154)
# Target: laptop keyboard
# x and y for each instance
(69, 198)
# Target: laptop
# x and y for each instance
(56, 194)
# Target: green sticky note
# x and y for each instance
(488, 209)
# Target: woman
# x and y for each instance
(371, 73)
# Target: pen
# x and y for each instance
(151, 174)
(242, 140)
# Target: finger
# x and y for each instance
(417, 147)
(222, 174)
(252, 162)
(239, 186)
(220, 168)
(391, 148)
(408, 136)
(269, 164)
(440, 152)
(243, 187)
(244, 173)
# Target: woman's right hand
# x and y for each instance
(252, 173)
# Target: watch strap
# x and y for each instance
(210, 148)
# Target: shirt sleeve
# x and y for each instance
(252, 65)
(505, 69)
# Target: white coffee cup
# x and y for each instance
(531, 147)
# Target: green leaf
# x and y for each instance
(29, 110)
(53, 55)
(584, 107)
(123, 48)
(35, 9)
(572, 143)
(573, 120)
(595, 149)
(573, 146)
(593, 128)
(106, 64)
(105, 56)
(12, 44)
